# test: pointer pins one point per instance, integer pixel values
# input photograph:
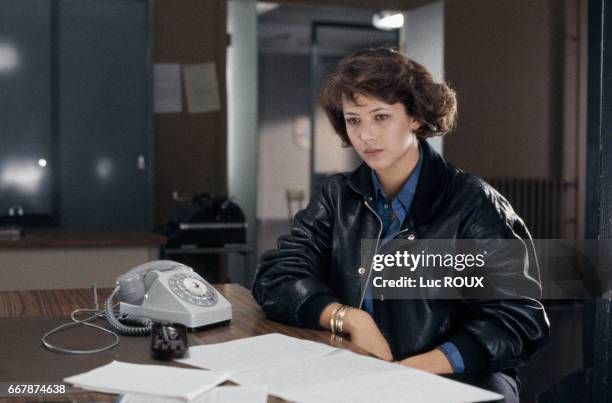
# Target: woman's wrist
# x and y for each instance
(433, 361)
(325, 318)
(355, 318)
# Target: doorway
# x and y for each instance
(298, 47)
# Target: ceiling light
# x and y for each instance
(9, 59)
(264, 7)
(388, 20)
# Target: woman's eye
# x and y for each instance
(381, 117)
(352, 121)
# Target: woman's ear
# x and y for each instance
(415, 125)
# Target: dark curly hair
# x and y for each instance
(391, 77)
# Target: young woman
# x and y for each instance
(385, 106)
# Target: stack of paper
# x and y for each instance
(156, 380)
(304, 371)
(390, 387)
(220, 394)
(254, 352)
(294, 369)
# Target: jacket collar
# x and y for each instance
(430, 190)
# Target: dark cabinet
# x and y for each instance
(75, 112)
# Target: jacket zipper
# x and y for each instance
(363, 292)
(375, 251)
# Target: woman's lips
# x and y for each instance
(372, 152)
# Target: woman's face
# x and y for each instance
(382, 134)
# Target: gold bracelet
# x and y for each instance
(337, 320)
(332, 320)
(341, 315)
(336, 340)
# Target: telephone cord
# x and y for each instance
(143, 327)
(85, 322)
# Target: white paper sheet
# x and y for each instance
(305, 371)
(157, 380)
(220, 394)
(167, 88)
(358, 378)
(238, 394)
(201, 87)
(392, 386)
(287, 376)
(254, 352)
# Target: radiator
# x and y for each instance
(537, 201)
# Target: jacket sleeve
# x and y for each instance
(503, 330)
(291, 281)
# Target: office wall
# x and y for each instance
(422, 39)
(503, 58)
(285, 98)
(191, 149)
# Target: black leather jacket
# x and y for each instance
(319, 263)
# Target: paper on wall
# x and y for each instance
(167, 88)
(201, 87)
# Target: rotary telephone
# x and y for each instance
(164, 291)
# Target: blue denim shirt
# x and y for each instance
(393, 213)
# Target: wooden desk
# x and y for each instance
(26, 315)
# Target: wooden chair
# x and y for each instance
(294, 196)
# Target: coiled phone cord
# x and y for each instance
(143, 327)
(75, 322)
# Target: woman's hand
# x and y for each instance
(365, 334)
(434, 361)
(363, 331)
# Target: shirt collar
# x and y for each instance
(433, 184)
(407, 192)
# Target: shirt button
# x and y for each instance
(386, 205)
(361, 271)
(411, 237)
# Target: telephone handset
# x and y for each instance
(164, 290)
